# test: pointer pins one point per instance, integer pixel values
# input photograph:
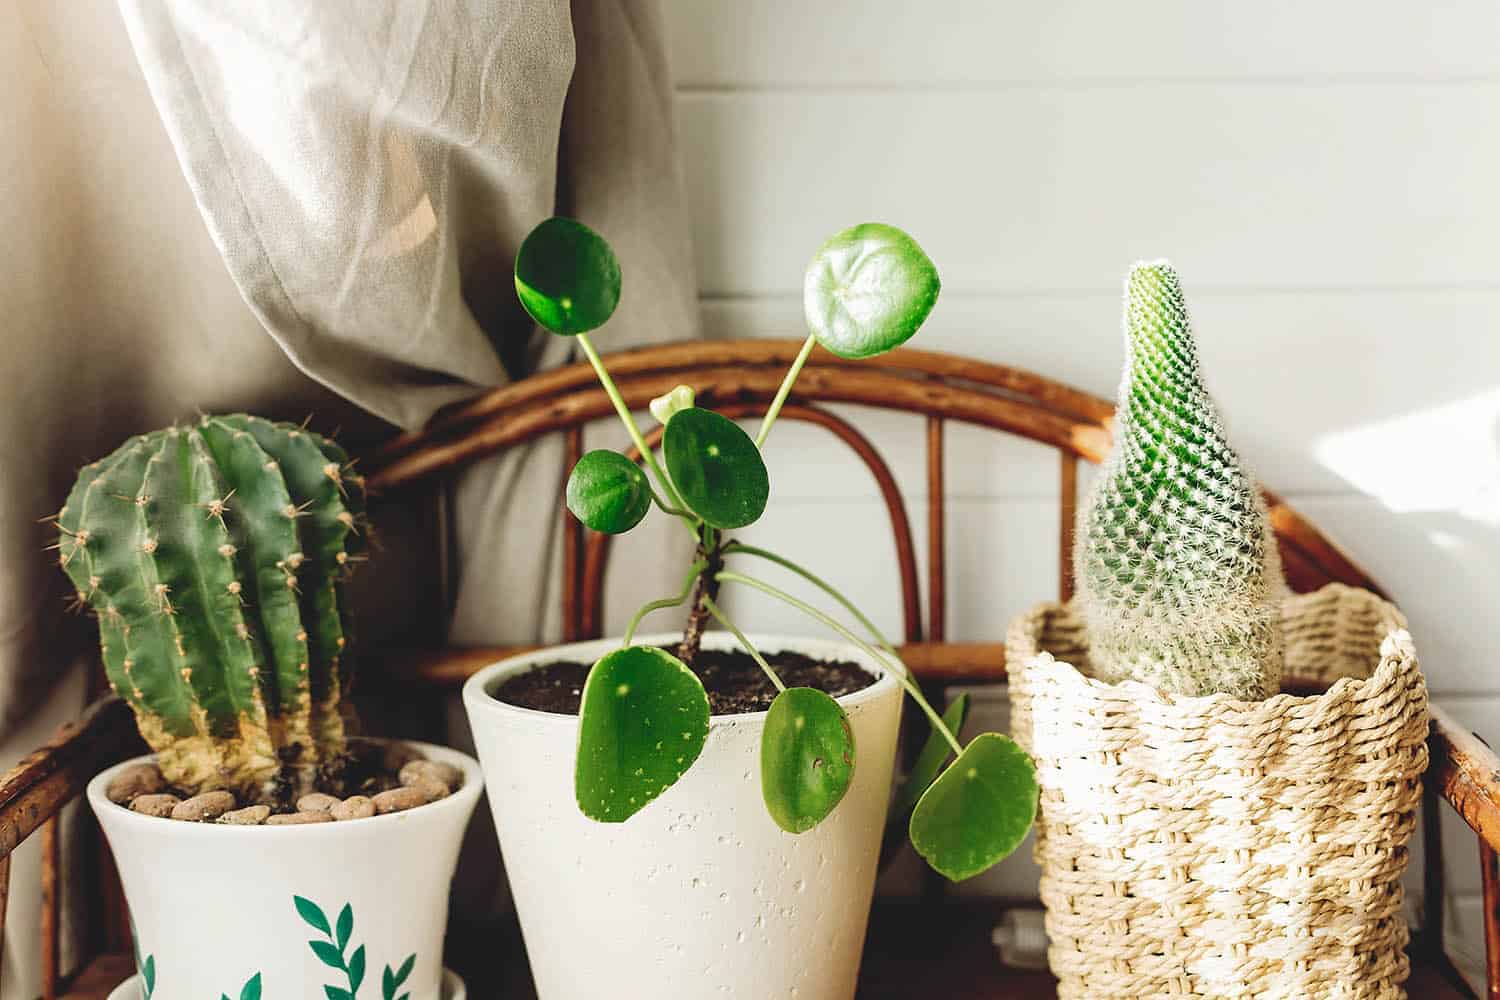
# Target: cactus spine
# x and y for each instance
(1178, 573)
(213, 557)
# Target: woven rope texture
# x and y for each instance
(1210, 847)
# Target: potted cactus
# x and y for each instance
(704, 811)
(1203, 831)
(213, 557)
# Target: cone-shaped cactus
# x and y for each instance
(213, 558)
(1177, 569)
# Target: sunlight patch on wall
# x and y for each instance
(1442, 459)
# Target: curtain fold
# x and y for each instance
(288, 208)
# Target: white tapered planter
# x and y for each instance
(699, 895)
(215, 905)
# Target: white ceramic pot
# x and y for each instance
(213, 906)
(700, 895)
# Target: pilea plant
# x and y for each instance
(1178, 572)
(644, 716)
(213, 557)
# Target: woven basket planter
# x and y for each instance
(1209, 847)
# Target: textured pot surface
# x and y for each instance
(213, 906)
(699, 895)
(1211, 847)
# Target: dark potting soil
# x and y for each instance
(734, 682)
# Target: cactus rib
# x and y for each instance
(212, 557)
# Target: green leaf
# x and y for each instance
(328, 954)
(356, 969)
(148, 973)
(806, 758)
(344, 926)
(978, 810)
(387, 984)
(252, 989)
(643, 722)
(608, 492)
(312, 914)
(931, 760)
(867, 290)
(405, 969)
(716, 467)
(337, 993)
(567, 277)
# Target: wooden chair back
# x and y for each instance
(739, 378)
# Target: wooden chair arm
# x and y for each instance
(39, 786)
(1466, 773)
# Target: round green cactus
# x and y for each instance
(1177, 569)
(213, 557)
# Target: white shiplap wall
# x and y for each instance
(1322, 173)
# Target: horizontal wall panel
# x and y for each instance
(792, 43)
(1323, 392)
(1283, 187)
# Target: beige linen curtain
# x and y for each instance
(296, 207)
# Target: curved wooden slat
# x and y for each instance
(719, 385)
(461, 419)
(937, 534)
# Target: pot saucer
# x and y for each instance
(452, 988)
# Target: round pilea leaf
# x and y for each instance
(642, 723)
(806, 758)
(608, 492)
(716, 467)
(978, 810)
(867, 290)
(567, 277)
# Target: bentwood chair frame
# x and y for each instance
(739, 378)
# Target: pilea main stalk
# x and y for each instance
(644, 716)
(214, 557)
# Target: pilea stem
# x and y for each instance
(627, 419)
(782, 393)
(667, 508)
(706, 588)
(817, 581)
(666, 602)
(713, 609)
(899, 669)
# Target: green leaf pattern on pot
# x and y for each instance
(330, 952)
(642, 723)
(250, 991)
(806, 758)
(334, 952)
(978, 810)
(716, 467)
